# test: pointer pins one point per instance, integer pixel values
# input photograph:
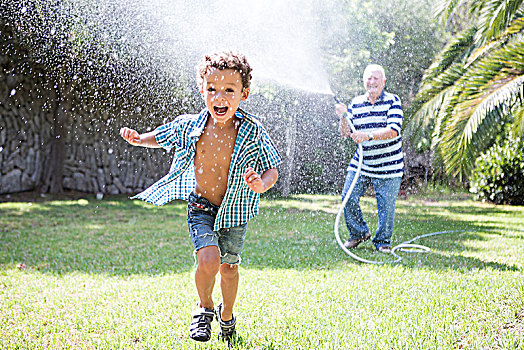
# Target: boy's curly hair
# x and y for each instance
(224, 60)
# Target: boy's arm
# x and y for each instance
(260, 184)
(145, 140)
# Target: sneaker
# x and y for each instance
(200, 329)
(227, 328)
(384, 249)
(354, 242)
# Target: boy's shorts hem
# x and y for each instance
(228, 258)
(201, 216)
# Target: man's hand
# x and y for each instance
(131, 136)
(359, 136)
(340, 109)
(254, 181)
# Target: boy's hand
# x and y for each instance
(131, 136)
(254, 181)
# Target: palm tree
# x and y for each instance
(475, 87)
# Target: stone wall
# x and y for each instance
(24, 127)
(99, 160)
(96, 160)
(21, 151)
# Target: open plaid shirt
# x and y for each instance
(253, 147)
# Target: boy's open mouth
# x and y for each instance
(220, 111)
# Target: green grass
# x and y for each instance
(118, 274)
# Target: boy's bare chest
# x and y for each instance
(214, 149)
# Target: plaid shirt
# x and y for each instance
(253, 147)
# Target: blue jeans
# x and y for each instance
(201, 215)
(386, 191)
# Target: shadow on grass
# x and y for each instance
(306, 238)
(117, 236)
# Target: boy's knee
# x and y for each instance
(228, 270)
(209, 259)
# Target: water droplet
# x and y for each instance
(24, 9)
(13, 92)
(110, 151)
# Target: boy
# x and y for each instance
(223, 160)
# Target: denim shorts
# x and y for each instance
(201, 215)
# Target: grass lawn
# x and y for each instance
(80, 273)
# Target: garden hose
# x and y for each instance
(407, 246)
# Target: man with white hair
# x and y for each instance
(377, 117)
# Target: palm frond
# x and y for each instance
(512, 33)
(499, 66)
(459, 155)
(444, 114)
(428, 108)
(448, 78)
(428, 101)
(503, 95)
(428, 111)
(495, 16)
(468, 133)
(475, 87)
(518, 120)
(455, 51)
(477, 117)
(516, 26)
(444, 8)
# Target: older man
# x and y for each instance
(377, 117)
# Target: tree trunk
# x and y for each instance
(291, 135)
(54, 166)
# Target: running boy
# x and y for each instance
(223, 160)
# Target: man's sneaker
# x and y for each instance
(227, 328)
(384, 249)
(354, 242)
(200, 328)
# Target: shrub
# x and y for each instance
(499, 173)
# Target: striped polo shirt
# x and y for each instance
(382, 158)
(253, 148)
